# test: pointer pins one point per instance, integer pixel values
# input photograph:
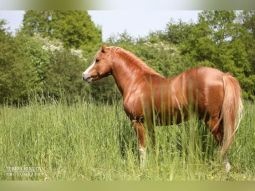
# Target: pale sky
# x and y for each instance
(136, 23)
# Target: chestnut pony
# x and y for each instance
(149, 98)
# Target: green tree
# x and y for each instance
(177, 32)
(63, 76)
(74, 28)
(17, 77)
(39, 58)
(248, 38)
(248, 22)
(199, 45)
(61, 34)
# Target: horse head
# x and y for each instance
(100, 67)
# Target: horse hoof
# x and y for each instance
(227, 166)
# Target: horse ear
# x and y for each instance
(103, 48)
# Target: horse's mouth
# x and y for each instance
(90, 79)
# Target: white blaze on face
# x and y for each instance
(86, 74)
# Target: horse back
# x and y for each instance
(203, 89)
(200, 89)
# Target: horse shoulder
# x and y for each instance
(133, 101)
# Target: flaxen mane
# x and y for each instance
(134, 60)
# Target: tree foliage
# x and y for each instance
(74, 28)
(42, 60)
(17, 76)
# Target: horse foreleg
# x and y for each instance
(151, 134)
(140, 133)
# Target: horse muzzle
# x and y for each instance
(90, 78)
(86, 77)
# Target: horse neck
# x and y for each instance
(126, 72)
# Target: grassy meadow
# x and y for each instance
(85, 141)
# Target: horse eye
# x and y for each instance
(97, 60)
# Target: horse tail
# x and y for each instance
(231, 110)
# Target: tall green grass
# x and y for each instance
(85, 141)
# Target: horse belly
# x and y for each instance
(171, 116)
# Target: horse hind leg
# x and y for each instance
(216, 128)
